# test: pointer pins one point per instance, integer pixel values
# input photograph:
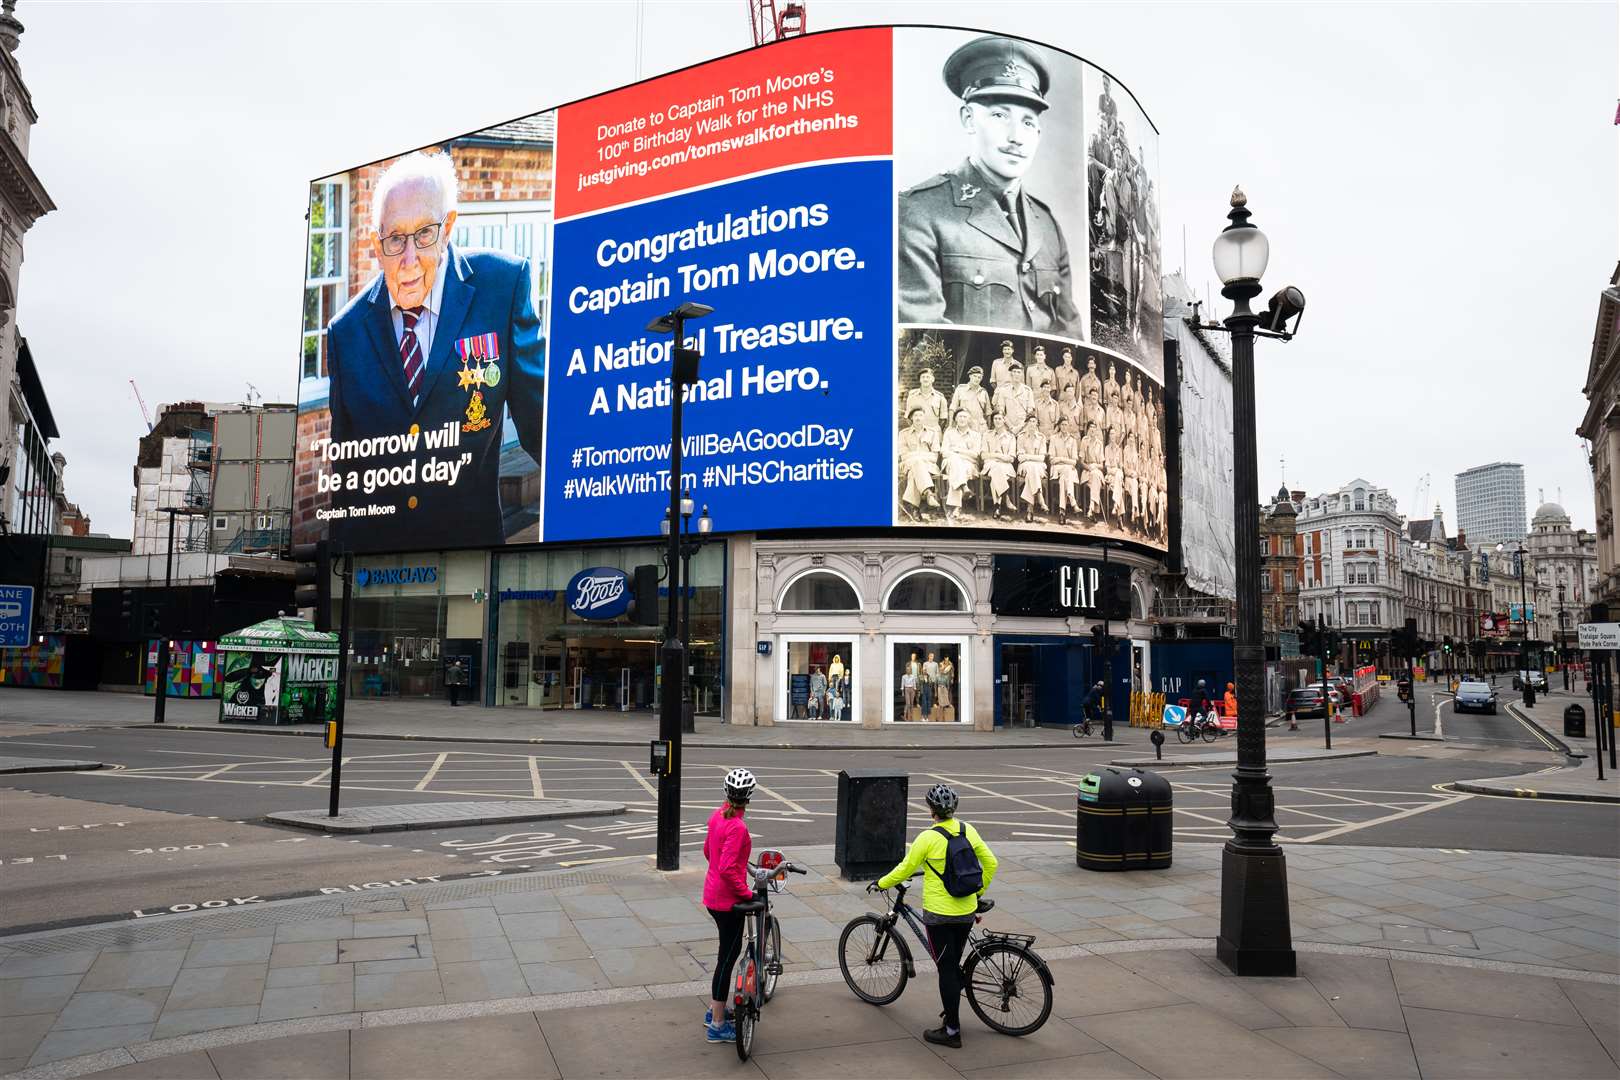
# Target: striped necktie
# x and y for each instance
(410, 352)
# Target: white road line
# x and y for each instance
(1307, 813)
(74, 745)
(263, 759)
(318, 777)
(1357, 826)
(221, 769)
(1039, 835)
(642, 780)
(783, 799)
(996, 794)
(433, 771)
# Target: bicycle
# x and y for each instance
(1083, 728)
(1198, 724)
(1000, 972)
(761, 963)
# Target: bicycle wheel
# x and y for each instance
(1212, 731)
(1185, 731)
(873, 958)
(1008, 988)
(771, 969)
(747, 1011)
(745, 1021)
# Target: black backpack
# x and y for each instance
(962, 875)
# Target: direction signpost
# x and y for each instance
(1600, 638)
(16, 615)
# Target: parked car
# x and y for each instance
(1537, 679)
(1304, 701)
(1474, 696)
(1345, 687)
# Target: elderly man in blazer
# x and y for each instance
(442, 341)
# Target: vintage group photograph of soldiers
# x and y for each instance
(1028, 432)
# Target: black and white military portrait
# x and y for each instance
(990, 153)
(1024, 432)
(1122, 159)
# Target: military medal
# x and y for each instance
(477, 415)
(480, 352)
(968, 191)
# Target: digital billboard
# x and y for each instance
(923, 315)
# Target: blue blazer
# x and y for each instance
(485, 292)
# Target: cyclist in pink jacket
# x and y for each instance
(727, 847)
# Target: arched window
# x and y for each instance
(925, 590)
(820, 590)
(1361, 499)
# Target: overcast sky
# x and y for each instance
(1440, 180)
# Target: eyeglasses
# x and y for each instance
(425, 237)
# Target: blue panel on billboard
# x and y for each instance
(16, 615)
(599, 593)
(790, 424)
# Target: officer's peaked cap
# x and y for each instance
(998, 69)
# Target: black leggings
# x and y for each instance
(947, 940)
(731, 925)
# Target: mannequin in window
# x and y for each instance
(942, 686)
(908, 689)
(929, 683)
(835, 672)
(818, 692)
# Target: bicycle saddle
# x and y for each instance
(985, 904)
(748, 907)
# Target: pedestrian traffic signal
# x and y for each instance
(1446, 644)
(1101, 642)
(312, 581)
(1310, 638)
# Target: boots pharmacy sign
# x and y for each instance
(599, 593)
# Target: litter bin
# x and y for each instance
(1575, 722)
(1122, 821)
(869, 834)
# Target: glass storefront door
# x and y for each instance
(550, 658)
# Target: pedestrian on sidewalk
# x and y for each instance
(727, 846)
(1229, 700)
(948, 853)
(454, 679)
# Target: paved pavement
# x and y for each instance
(1578, 783)
(384, 819)
(1454, 963)
(435, 719)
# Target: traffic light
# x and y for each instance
(1446, 643)
(312, 581)
(1310, 640)
(644, 607)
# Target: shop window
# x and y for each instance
(927, 682)
(820, 680)
(820, 590)
(925, 590)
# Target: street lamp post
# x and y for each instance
(1558, 646)
(683, 373)
(1524, 623)
(1255, 938)
(162, 689)
(689, 547)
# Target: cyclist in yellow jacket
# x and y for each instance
(947, 918)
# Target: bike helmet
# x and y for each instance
(740, 785)
(942, 798)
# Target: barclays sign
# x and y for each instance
(366, 577)
(599, 593)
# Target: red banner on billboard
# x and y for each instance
(813, 99)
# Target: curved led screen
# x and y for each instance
(933, 259)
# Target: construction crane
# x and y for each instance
(147, 413)
(767, 24)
